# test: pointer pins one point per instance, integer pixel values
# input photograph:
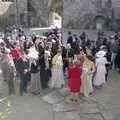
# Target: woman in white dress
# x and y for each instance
(57, 80)
(101, 61)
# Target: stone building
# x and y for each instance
(81, 14)
(16, 10)
(41, 12)
(91, 14)
(38, 12)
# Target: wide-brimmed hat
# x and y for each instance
(103, 47)
(100, 54)
(53, 41)
(7, 51)
(1, 41)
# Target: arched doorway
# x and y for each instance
(99, 22)
(55, 14)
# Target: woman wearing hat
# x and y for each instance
(101, 62)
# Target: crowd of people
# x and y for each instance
(39, 62)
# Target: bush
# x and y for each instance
(7, 108)
(3, 21)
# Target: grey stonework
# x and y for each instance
(17, 11)
(39, 14)
(81, 14)
(85, 14)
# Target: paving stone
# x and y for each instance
(88, 108)
(2, 107)
(66, 116)
(111, 115)
(65, 107)
(91, 117)
(64, 92)
(53, 98)
(109, 107)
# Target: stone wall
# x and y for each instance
(17, 11)
(41, 12)
(78, 14)
(81, 14)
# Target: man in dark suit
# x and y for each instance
(70, 38)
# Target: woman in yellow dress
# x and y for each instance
(57, 80)
(88, 70)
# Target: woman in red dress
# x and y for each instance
(74, 81)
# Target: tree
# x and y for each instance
(109, 3)
(56, 6)
(3, 21)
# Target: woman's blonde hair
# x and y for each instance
(80, 59)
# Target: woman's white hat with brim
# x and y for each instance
(7, 51)
(100, 54)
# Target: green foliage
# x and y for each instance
(7, 107)
(31, 8)
(2, 116)
(57, 6)
(3, 21)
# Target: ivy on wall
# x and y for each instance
(7, 108)
(57, 6)
(4, 21)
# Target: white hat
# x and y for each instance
(53, 41)
(33, 53)
(22, 37)
(100, 54)
(38, 36)
(103, 47)
(1, 41)
(43, 37)
(7, 51)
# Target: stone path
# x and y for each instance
(103, 104)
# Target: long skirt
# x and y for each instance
(44, 77)
(57, 79)
(35, 83)
(5, 73)
(99, 77)
(87, 86)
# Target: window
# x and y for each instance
(12, 19)
(99, 4)
(22, 16)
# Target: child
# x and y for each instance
(74, 81)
